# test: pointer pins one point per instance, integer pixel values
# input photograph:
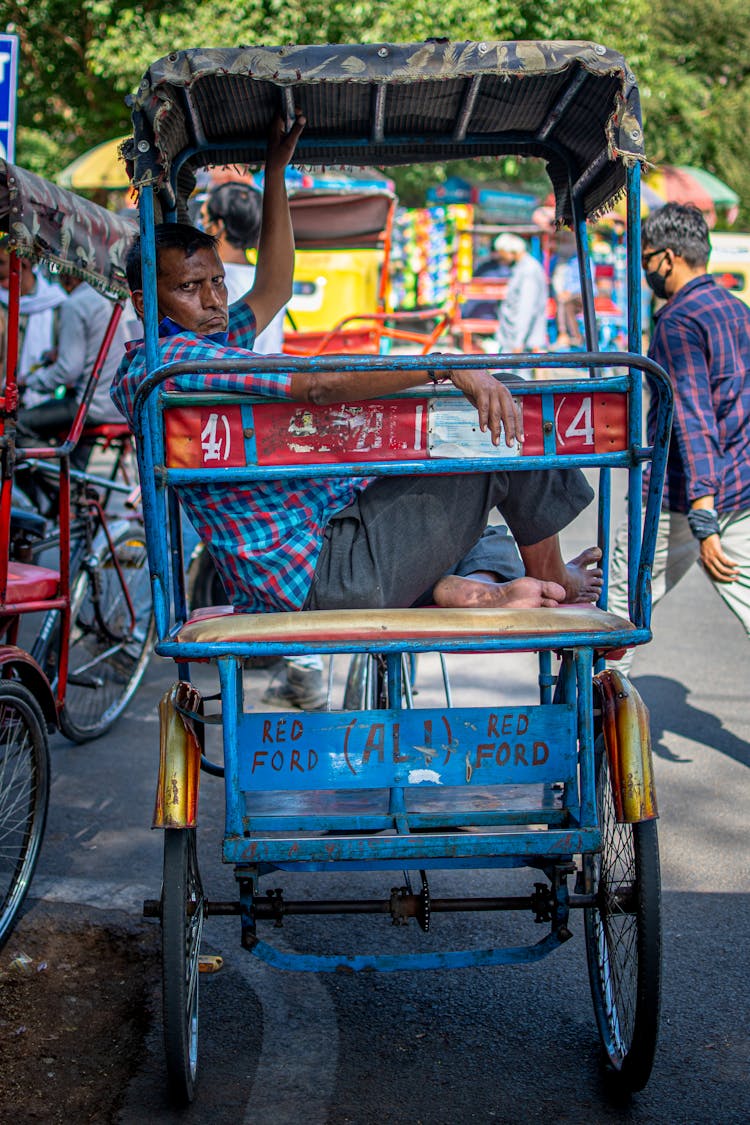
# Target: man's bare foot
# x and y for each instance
(581, 577)
(455, 592)
(584, 582)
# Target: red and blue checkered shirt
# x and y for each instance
(264, 538)
(702, 340)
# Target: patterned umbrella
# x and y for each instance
(100, 167)
(676, 185)
(721, 193)
(724, 198)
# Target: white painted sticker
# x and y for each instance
(453, 431)
(417, 777)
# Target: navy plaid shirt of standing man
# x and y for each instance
(702, 340)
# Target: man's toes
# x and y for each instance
(587, 558)
(552, 593)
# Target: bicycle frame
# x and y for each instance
(51, 226)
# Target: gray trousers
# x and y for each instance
(392, 544)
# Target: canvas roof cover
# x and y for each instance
(47, 223)
(574, 103)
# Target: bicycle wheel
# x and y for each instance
(24, 793)
(623, 939)
(366, 685)
(182, 912)
(108, 651)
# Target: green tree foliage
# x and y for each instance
(79, 60)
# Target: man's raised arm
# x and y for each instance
(275, 267)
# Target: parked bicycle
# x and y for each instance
(75, 613)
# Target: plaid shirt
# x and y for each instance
(265, 538)
(702, 340)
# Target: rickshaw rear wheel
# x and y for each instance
(623, 939)
(366, 686)
(24, 795)
(182, 913)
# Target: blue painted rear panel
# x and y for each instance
(373, 749)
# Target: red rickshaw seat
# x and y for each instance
(31, 583)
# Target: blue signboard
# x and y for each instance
(8, 80)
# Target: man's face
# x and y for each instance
(191, 291)
(657, 265)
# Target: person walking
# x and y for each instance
(702, 340)
(522, 315)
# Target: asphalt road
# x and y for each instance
(481, 1045)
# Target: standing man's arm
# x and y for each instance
(272, 288)
(682, 352)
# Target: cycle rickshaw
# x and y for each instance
(563, 787)
(75, 614)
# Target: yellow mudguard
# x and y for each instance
(179, 759)
(627, 739)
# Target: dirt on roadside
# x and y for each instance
(77, 991)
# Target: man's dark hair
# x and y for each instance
(238, 208)
(177, 236)
(679, 227)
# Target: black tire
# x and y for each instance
(366, 687)
(366, 683)
(182, 913)
(24, 795)
(623, 940)
(108, 655)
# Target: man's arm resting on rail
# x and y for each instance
(494, 403)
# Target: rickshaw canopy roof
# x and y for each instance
(336, 220)
(47, 223)
(575, 104)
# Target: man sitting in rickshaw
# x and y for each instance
(343, 543)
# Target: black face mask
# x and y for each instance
(657, 282)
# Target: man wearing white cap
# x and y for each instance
(523, 313)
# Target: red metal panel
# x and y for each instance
(288, 433)
(197, 437)
(293, 434)
(584, 423)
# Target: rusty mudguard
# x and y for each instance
(627, 739)
(179, 758)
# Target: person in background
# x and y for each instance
(702, 340)
(566, 285)
(522, 315)
(39, 314)
(231, 213)
(55, 387)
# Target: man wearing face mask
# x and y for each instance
(702, 340)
